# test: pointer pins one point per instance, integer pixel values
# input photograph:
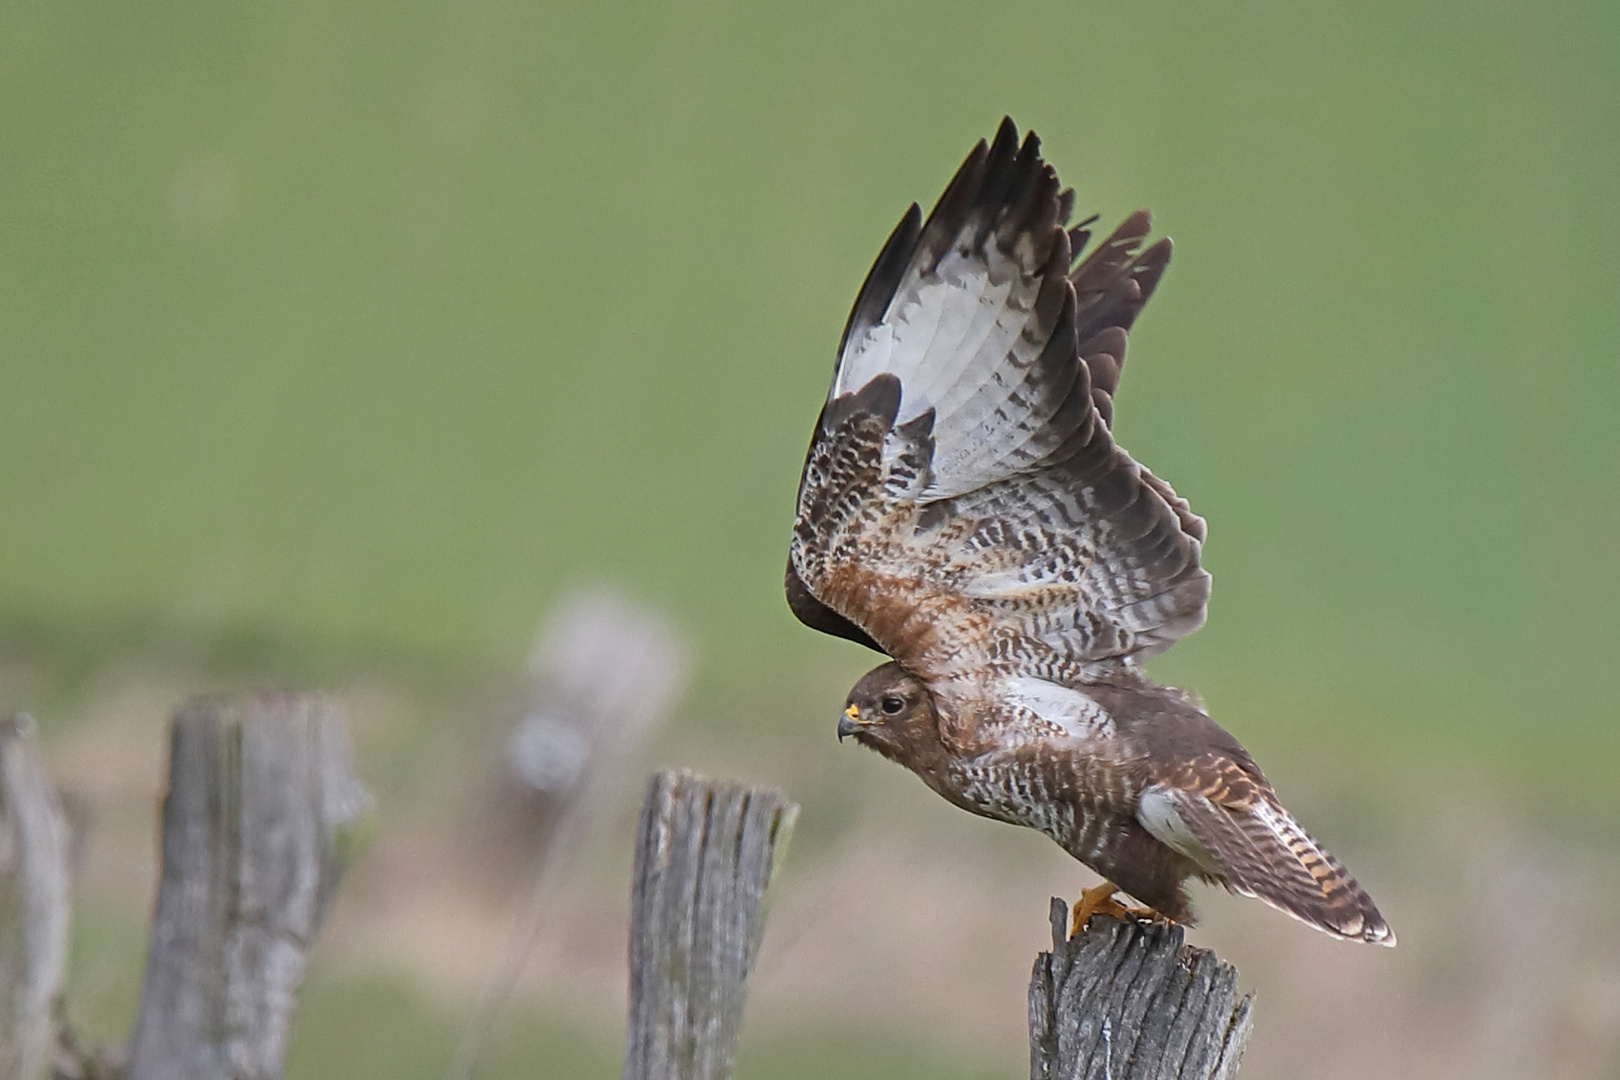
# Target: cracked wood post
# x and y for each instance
(1129, 1001)
(263, 813)
(705, 853)
(33, 904)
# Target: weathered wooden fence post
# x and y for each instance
(33, 904)
(263, 814)
(704, 856)
(1130, 1001)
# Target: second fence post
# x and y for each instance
(705, 853)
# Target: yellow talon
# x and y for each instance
(1097, 900)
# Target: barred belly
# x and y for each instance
(1079, 800)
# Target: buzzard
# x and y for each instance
(965, 510)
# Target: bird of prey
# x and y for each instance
(965, 509)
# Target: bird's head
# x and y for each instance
(888, 711)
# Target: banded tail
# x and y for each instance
(1257, 849)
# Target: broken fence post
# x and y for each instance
(1127, 1000)
(264, 812)
(33, 904)
(705, 853)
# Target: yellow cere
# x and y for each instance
(853, 713)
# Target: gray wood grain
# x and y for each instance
(263, 813)
(1131, 1001)
(34, 904)
(704, 857)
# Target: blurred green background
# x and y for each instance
(338, 338)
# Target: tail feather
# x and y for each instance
(1307, 881)
(1259, 850)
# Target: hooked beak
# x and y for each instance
(849, 723)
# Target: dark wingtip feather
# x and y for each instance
(1113, 255)
(1008, 170)
(884, 277)
(1114, 282)
(1104, 354)
(1006, 132)
(1149, 267)
(1065, 205)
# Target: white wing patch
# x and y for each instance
(1159, 816)
(951, 336)
(1078, 715)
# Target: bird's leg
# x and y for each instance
(1097, 900)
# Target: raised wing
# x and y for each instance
(963, 500)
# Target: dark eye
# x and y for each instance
(892, 704)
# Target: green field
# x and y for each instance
(338, 338)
